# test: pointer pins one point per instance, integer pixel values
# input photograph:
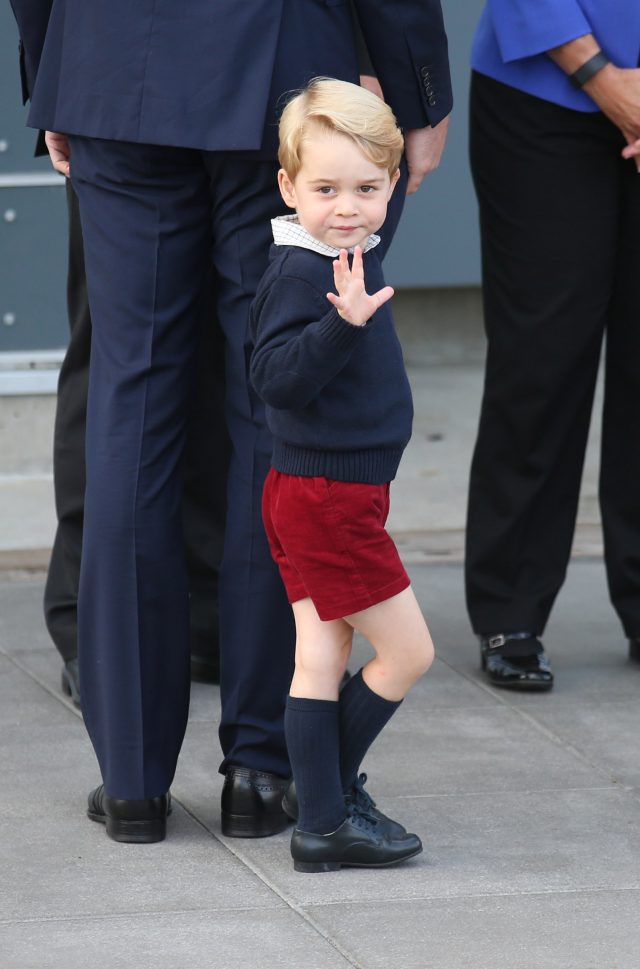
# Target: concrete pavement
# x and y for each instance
(529, 806)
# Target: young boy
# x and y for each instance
(330, 370)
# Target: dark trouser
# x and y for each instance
(154, 219)
(560, 221)
(206, 458)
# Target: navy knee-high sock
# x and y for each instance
(363, 714)
(313, 741)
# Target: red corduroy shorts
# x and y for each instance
(329, 541)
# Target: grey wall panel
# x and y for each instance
(33, 221)
(437, 242)
(33, 260)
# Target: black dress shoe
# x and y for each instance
(70, 681)
(634, 648)
(359, 842)
(357, 798)
(252, 803)
(516, 661)
(132, 822)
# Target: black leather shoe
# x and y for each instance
(358, 798)
(252, 803)
(634, 649)
(516, 661)
(133, 822)
(359, 842)
(70, 681)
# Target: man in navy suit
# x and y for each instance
(165, 116)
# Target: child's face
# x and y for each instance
(339, 194)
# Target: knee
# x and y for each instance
(326, 660)
(419, 657)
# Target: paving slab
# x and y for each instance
(535, 841)
(470, 751)
(607, 733)
(570, 930)
(244, 938)
(22, 703)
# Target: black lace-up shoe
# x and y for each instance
(252, 803)
(132, 822)
(516, 661)
(356, 797)
(359, 842)
(634, 649)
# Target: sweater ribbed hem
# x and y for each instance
(370, 466)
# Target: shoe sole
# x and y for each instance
(525, 686)
(247, 826)
(315, 867)
(132, 832)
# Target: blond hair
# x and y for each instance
(346, 108)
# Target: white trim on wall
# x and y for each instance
(29, 372)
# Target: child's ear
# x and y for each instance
(394, 181)
(286, 189)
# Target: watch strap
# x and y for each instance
(589, 69)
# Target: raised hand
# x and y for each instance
(353, 303)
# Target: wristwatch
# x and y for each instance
(589, 69)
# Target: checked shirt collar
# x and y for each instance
(287, 231)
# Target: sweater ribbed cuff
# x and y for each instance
(338, 332)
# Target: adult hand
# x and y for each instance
(353, 303)
(423, 149)
(59, 151)
(632, 151)
(616, 91)
(372, 84)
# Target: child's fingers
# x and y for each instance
(357, 269)
(341, 272)
(383, 295)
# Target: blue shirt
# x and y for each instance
(513, 35)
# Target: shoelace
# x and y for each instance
(361, 818)
(359, 797)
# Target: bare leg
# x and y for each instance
(322, 653)
(398, 633)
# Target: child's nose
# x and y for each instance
(345, 204)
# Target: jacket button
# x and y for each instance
(425, 72)
(432, 102)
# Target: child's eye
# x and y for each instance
(325, 189)
(367, 189)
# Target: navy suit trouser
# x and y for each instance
(154, 220)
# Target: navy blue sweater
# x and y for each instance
(338, 401)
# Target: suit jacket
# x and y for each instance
(513, 35)
(209, 73)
